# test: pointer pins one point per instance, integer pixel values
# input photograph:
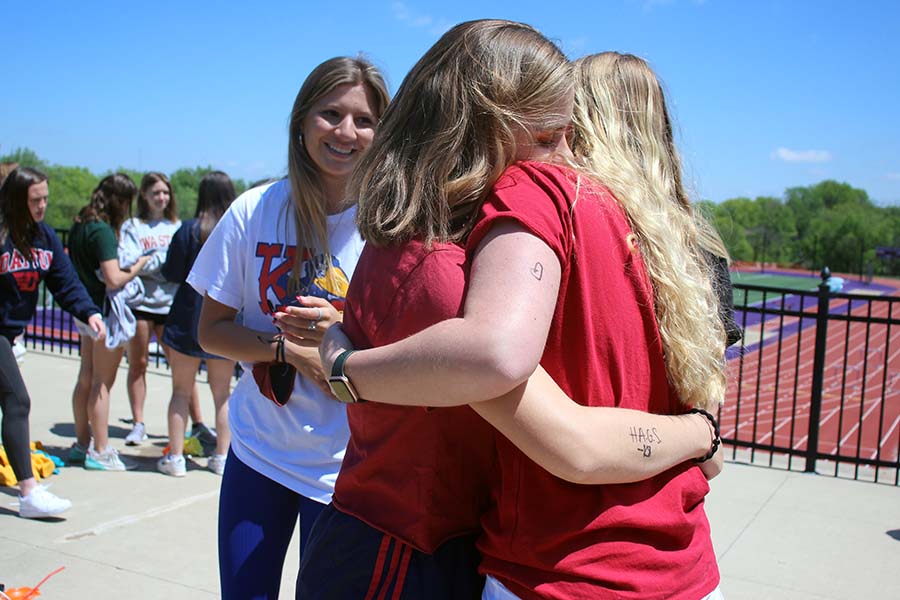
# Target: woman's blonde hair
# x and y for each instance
(307, 190)
(450, 132)
(623, 131)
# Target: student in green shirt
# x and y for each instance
(93, 249)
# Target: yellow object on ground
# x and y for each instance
(40, 464)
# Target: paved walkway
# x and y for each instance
(141, 535)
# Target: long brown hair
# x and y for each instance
(215, 195)
(15, 217)
(307, 191)
(450, 132)
(148, 181)
(110, 202)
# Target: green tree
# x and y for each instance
(809, 202)
(891, 219)
(26, 157)
(70, 189)
(733, 219)
(773, 231)
(850, 234)
(829, 223)
(185, 186)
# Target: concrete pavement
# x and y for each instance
(140, 535)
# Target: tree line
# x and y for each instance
(829, 223)
(71, 187)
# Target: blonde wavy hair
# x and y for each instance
(450, 131)
(622, 130)
(309, 207)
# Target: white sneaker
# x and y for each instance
(19, 352)
(108, 460)
(216, 463)
(42, 503)
(173, 465)
(138, 434)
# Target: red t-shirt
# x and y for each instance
(545, 537)
(421, 475)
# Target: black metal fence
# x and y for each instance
(815, 384)
(53, 330)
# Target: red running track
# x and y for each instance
(768, 400)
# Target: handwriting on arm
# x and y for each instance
(645, 438)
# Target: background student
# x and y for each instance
(215, 195)
(93, 242)
(150, 231)
(30, 254)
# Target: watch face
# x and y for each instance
(343, 390)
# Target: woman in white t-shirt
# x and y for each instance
(280, 260)
(150, 233)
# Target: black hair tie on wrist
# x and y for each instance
(283, 360)
(716, 441)
(280, 356)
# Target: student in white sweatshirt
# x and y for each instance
(151, 233)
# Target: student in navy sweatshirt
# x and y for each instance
(30, 253)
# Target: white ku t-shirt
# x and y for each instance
(245, 264)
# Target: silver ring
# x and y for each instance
(311, 326)
(318, 314)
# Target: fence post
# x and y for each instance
(815, 402)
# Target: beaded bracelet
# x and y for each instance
(716, 441)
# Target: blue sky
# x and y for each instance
(766, 94)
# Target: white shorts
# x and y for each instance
(494, 590)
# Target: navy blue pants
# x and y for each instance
(256, 522)
(346, 559)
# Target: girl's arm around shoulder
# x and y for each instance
(595, 445)
(494, 347)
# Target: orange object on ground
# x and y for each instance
(26, 593)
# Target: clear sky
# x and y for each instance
(766, 94)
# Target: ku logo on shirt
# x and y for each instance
(316, 278)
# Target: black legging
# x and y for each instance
(15, 404)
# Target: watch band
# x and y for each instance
(340, 384)
(337, 369)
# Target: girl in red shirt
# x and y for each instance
(555, 277)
